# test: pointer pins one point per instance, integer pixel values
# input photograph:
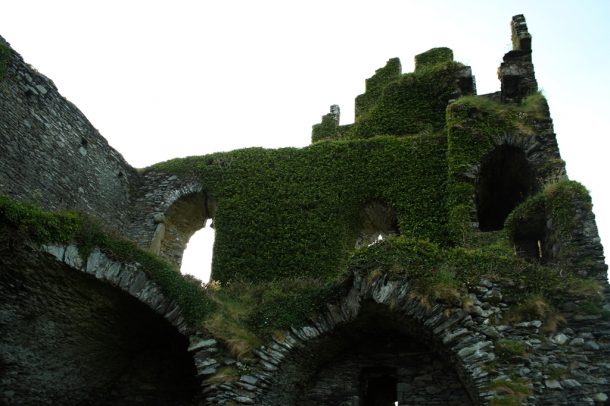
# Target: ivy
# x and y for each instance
(434, 56)
(296, 212)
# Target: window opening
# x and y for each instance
(377, 222)
(197, 257)
(505, 180)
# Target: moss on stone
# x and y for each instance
(510, 349)
(5, 57)
(510, 391)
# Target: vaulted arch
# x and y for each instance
(379, 343)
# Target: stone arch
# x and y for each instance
(181, 220)
(133, 281)
(505, 179)
(379, 357)
(377, 219)
(127, 277)
(290, 364)
(105, 334)
(167, 211)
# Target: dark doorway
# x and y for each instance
(505, 180)
(379, 386)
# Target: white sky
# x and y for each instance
(163, 79)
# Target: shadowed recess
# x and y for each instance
(505, 180)
(378, 359)
(70, 339)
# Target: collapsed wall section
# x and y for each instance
(51, 154)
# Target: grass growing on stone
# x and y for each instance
(510, 392)
(249, 313)
(445, 274)
(510, 349)
(537, 306)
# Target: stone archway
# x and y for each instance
(89, 331)
(377, 359)
(300, 366)
(376, 331)
(167, 211)
(176, 226)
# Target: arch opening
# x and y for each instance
(379, 359)
(184, 225)
(505, 180)
(95, 344)
(377, 221)
(197, 257)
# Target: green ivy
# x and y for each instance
(296, 212)
(413, 103)
(375, 85)
(327, 129)
(434, 56)
(474, 124)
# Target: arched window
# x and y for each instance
(377, 220)
(184, 226)
(505, 180)
(197, 257)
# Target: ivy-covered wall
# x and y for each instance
(296, 212)
(404, 104)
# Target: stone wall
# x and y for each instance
(467, 350)
(166, 212)
(517, 70)
(70, 337)
(52, 155)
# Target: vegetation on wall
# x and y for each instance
(434, 56)
(5, 56)
(413, 103)
(326, 130)
(554, 213)
(375, 85)
(296, 212)
(35, 224)
(402, 104)
(474, 124)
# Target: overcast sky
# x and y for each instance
(163, 79)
